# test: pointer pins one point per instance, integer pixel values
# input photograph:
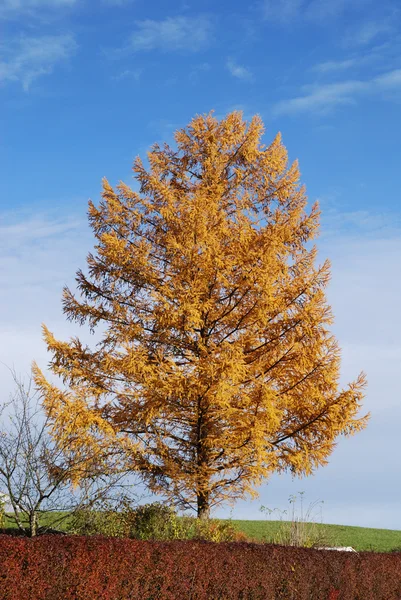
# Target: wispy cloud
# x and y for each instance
(380, 56)
(128, 74)
(331, 66)
(369, 31)
(171, 34)
(34, 252)
(19, 233)
(321, 10)
(238, 71)
(13, 8)
(38, 256)
(118, 2)
(283, 11)
(389, 80)
(321, 99)
(287, 12)
(363, 224)
(28, 58)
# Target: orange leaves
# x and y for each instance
(216, 364)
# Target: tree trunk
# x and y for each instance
(33, 524)
(202, 494)
(203, 505)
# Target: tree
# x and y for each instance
(37, 475)
(216, 366)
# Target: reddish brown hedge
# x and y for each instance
(96, 568)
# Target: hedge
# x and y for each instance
(97, 568)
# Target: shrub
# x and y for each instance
(96, 522)
(212, 530)
(153, 521)
(160, 522)
(97, 568)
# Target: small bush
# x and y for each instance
(159, 522)
(211, 530)
(96, 522)
(153, 521)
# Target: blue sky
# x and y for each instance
(85, 86)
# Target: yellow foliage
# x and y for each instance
(216, 365)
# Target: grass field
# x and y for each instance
(50, 519)
(360, 538)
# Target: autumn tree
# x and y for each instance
(216, 365)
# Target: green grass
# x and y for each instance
(50, 519)
(360, 538)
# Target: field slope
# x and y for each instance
(360, 538)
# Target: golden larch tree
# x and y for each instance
(216, 366)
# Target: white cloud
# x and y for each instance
(289, 11)
(361, 222)
(283, 11)
(16, 233)
(129, 74)
(239, 71)
(172, 33)
(389, 80)
(331, 66)
(322, 13)
(321, 99)
(118, 2)
(377, 57)
(28, 58)
(369, 31)
(321, 10)
(38, 256)
(13, 8)
(22, 4)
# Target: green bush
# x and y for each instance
(155, 521)
(159, 522)
(96, 522)
(212, 530)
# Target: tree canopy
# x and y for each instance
(216, 366)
